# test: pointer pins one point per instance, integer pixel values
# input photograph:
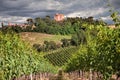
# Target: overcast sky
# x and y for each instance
(20, 10)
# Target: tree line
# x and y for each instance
(50, 26)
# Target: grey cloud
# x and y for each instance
(32, 13)
(115, 3)
(35, 8)
(8, 4)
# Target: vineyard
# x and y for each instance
(61, 56)
(18, 58)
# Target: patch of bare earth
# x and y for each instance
(39, 38)
(33, 37)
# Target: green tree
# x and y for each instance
(78, 38)
(100, 53)
(30, 21)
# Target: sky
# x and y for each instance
(19, 10)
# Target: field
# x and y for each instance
(39, 38)
(60, 56)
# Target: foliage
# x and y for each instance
(50, 45)
(47, 46)
(100, 53)
(109, 43)
(65, 42)
(115, 15)
(116, 18)
(17, 58)
(17, 29)
(78, 38)
(38, 47)
(68, 26)
(50, 26)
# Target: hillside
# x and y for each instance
(33, 37)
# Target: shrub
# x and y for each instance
(65, 42)
(50, 45)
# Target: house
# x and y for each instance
(59, 17)
(112, 26)
(22, 25)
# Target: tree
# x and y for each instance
(65, 42)
(78, 38)
(100, 53)
(30, 21)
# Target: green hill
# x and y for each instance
(39, 38)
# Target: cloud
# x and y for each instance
(13, 19)
(39, 8)
(115, 3)
(94, 12)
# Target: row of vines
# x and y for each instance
(60, 56)
(17, 58)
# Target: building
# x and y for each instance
(58, 17)
(22, 25)
(112, 26)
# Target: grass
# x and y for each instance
(39, 38)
